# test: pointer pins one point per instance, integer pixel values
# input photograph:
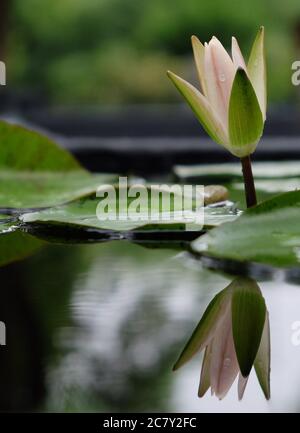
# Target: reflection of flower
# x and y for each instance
(234, 331)
(232, 105)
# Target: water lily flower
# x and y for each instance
(234, 332)
(232, 104)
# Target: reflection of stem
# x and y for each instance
(248, 181)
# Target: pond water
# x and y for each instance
(98, 328)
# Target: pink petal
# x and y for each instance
(219, 74)
(242, 385)
(224, 364)
(198, 49)
(237, 56)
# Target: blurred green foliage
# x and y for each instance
(93, 51)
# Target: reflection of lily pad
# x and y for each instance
(15, 245)
(268, 233)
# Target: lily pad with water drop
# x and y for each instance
(268, 233)
(82, 214)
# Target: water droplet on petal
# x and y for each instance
(222, 77)
(227, 362)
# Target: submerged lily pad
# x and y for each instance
(268, 233)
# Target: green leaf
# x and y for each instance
(228, 172)
(82, 214)
(24, 150)
(35, 172)
(25, 189)
(268, 233)
(248, 318)
(263, 359)
(205, 328)
(245, 117)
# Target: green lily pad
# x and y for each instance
(229, 172)
(24, 189)
(268, 233)
(83, 214)
(271, 178)
(24, 150)
(35, 172)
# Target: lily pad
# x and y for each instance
(83, 214)
(268, 233)
(35, 172)
(24, 189)
(24, 150)
(228, 172)
(271, 178)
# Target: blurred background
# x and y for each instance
(93, 73)
(117, 51)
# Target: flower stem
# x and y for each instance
(248, 181)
